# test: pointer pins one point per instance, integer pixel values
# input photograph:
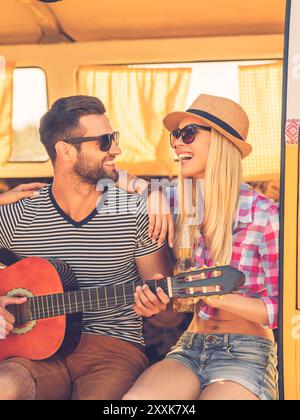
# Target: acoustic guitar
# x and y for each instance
(49, 322)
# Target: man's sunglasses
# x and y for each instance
(104, 141)
(187, 133)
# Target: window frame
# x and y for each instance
(298, 227)
(47, 159)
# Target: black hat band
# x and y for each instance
(216, 121)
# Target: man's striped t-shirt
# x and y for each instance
(101, 249)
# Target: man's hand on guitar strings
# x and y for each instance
(7, 320)
(147, 303)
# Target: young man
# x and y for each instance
(103, 236)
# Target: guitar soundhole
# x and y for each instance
(21, 314)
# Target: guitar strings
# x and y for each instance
(189, 285)
(38, 299)
(114, 298)
(40, 308)
(111, 303)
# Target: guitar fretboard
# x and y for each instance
(94, 299)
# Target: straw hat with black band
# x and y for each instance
(222, 114)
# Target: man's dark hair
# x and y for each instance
(62, 120)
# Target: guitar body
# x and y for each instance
(40, 331)
(43, 338)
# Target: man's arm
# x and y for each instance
(22, 191)
(161, 221)
(156, 263)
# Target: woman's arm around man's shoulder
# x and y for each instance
(20, 192)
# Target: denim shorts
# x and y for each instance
(247, 360)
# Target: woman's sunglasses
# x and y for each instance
(104, 141)
(187, 133)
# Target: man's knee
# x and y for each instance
(132, 396)
(16, 382)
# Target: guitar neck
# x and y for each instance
(94, 299)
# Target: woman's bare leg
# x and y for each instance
(227, 391)
(166, 380)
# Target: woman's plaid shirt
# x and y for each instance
(255, 251)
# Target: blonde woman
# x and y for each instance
(228, 351)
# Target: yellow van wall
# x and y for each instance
(60, 62)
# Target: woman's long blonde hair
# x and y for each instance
(223, 177)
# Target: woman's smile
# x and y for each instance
(185, 157)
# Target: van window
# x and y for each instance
(255, 84)
(30, 102)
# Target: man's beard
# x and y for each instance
(91, 173)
